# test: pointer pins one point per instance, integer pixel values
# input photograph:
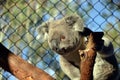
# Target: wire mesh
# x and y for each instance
(20, 18)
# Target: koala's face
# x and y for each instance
(63, 34)
(62, 38)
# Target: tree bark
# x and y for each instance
(88, 56)
(19, 67)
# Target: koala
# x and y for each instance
(67, 36)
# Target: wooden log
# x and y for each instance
(19, 67)
(88, 56)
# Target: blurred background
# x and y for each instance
(20, 18)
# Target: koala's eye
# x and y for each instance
(62, 37)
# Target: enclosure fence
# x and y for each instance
(20, 18)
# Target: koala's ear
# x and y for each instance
(75, 21)
(43, 27)
(70, 20)
(85, 32)
(42, 31)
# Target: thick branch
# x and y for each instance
(88, 56)
(19, 67)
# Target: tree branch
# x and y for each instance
(88, 56)
(19, 67)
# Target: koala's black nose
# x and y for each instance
(63, 49)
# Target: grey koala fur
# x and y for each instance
(66, 36)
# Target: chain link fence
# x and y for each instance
(20, 18)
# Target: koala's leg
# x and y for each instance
(71, 71)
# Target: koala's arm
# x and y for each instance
(71, 71)
(107, 49)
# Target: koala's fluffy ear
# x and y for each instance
(75, 21)
(42, 31)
